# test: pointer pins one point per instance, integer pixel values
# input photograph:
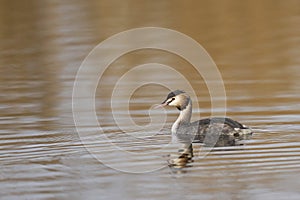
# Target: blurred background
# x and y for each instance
(255, 45)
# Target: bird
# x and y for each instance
(213, 131)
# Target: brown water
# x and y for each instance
(255, 45)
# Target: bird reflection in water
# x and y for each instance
(183, 159)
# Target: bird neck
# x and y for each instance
(184, 117)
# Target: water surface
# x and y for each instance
(43, 43)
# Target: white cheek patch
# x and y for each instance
(173, 102)
(170, 101)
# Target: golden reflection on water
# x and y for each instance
(255, 45)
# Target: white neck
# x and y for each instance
(184, 117)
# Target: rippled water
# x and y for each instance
(43, 155)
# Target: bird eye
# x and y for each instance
(170, 100)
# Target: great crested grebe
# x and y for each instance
(221, 127)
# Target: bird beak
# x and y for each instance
(164, 103)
